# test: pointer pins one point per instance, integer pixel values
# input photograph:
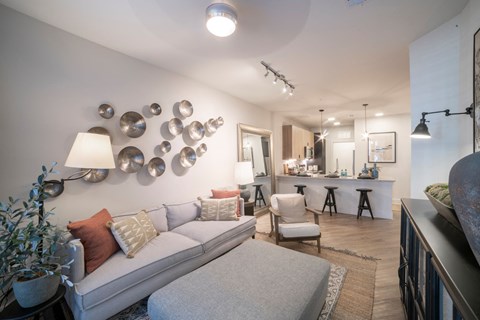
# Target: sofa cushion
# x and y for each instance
(118, 273)
(221, 194)
(158, 216)
(219, 209)
(96, 238)
(133, 233)
(213, 233)
(178, 214)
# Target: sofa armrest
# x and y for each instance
(76, 252)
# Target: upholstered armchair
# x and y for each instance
(288, 219)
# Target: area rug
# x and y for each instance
(138, 311)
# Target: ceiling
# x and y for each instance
(337, 55)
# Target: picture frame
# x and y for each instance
(382, 147)
(476, 91)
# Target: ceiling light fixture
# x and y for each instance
(278, 76)
(421, 131)
(221, 19)
(379, 114)
(365, 134)
(336, 123)
(331, 119)
(323, 133)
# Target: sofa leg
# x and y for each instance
(318, 244)
(253, 237)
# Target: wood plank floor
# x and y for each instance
(378, 238)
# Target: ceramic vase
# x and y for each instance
(464, 187)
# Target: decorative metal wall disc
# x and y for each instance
(132, 124)
(201, 149)
(185, 108)
(96, 175)
(219, 122)
(211, 125)
(187, 157)
(165, 146)
(156, 167)
(175, 126)
(155, 109)
(196, 130)
(106, 111)
(100, 130)
(130, 159)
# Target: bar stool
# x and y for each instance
(330, 199)
(300, 190)
(364, 203)
(259, 195)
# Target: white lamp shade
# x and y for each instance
(243, 173)
(91, 151)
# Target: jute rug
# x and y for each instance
(138, 311)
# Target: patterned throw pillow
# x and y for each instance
(221, 194)
(133, 233)
(219, 209)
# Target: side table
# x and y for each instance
(249, 205)
(55, 308)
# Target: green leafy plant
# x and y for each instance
(29, 243)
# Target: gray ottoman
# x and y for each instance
(256, 280)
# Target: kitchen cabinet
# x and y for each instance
(294, 141)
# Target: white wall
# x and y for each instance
(400, 170)
(440, 78)
(51, 84)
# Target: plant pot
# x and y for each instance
(464, 187)
(33, 292)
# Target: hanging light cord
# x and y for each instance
(365, 117)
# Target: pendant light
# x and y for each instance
(323, 133)
(365, 134)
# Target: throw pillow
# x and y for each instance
(178, 214)
(96, 238)
(221, 194)
(292, 209)
(219, 209)
(133, 233)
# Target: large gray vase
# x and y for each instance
(464, 187)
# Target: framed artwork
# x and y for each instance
(382, 147)
(476, 91)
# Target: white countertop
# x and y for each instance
(348, 178)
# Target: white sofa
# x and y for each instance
(184, 244)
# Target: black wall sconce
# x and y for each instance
(421, 131)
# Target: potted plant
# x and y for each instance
(28, 247)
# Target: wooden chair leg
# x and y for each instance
(318, 245)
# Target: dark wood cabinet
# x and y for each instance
(439, 276)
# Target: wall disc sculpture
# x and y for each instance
(155, 109)
(106, 111)
(187, 157)
(96, 175)
(132, 124)
(100, 130)
(201, 149)
(130, 159)
(211, 125)
(175, 126)
(156, 167)
(165, 146)
(185, 108)
(196, 130)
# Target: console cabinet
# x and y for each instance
(439, 276)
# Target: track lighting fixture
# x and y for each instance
(421, 131)
(278, 76)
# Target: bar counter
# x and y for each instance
(346, 196)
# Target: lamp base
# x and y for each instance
(244, 193)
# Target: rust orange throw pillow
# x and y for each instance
(221, 194)
(96, 238)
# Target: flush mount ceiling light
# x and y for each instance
(278, 76)
(221, 19)
(421, 131)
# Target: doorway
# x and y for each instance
(343, 153)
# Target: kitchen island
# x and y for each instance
(346, 195)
